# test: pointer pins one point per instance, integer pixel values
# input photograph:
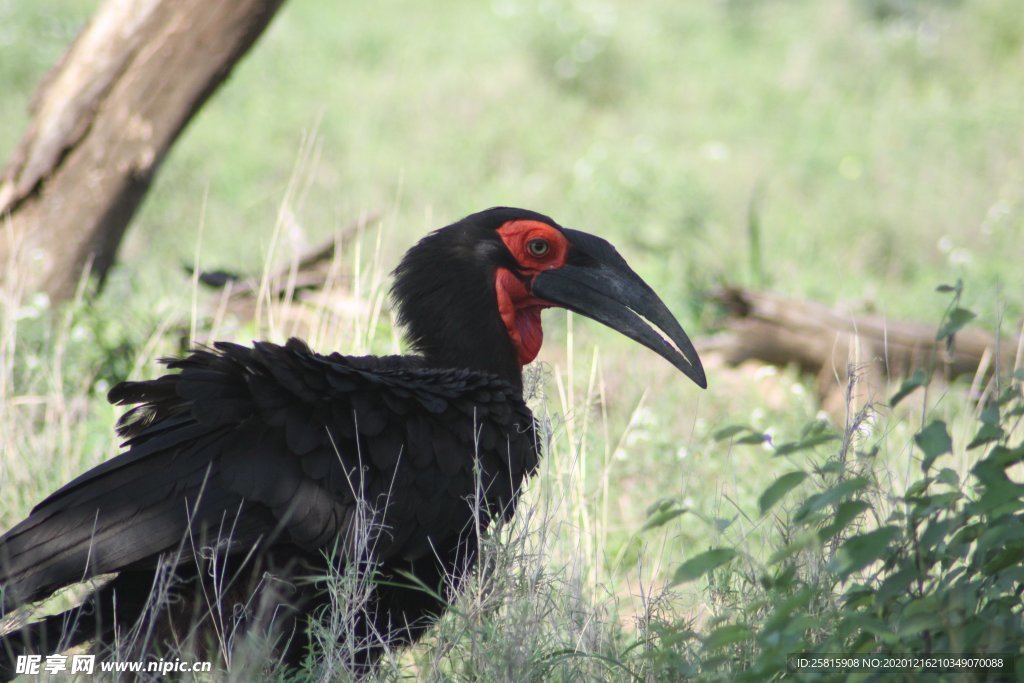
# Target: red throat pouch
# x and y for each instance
(520, 311)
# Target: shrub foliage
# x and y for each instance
(859, 570)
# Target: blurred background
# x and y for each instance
(854, 152)
(874, 145)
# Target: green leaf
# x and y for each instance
(926, 604)
(915, 381)
(1006, 558)
(956, 319)
(698, 566)
(925, 506)
(934, 441)
(843, 489)
(754, 438)
(967, 534)
(945, 289)
(896, 585)
(779, 488)
(802, 541)
(846, 512)
(987, 434)
(660, 505)
(815, 427)
(916, 623)
(661, 518)
(800, 624)
(781, 580)
(729, 432)
(1003, 457)
(780, 617)
(1009, 395)
(831, 467)
(948, 477)
(917, 489)
(936, 532)
(721, 523)
(727, 635)
(876, 627)
(860, 551)
(804, 444)
(857, 596)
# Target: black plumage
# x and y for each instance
(275, 461)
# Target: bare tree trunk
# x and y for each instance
(103, 120)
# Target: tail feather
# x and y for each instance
(118, 603)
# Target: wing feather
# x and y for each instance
(278, 444)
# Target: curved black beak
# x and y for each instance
(598, 283)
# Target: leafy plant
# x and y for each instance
(936, 570)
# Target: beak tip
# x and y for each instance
(612, 294)
(696, 373)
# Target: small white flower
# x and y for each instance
(959, 257)
(998, 210)
(715, 151)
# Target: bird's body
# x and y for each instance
(250, 472)
(272, 454)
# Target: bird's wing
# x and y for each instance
(275, 444)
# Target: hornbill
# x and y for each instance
(251, 471)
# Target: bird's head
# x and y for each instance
(471, 294)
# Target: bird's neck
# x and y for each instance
(501, 361)
(453, 324)
(458, 312)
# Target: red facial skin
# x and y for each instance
(520, 310)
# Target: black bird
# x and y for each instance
(252, 469)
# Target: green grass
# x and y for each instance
(852, 151)
(868, 139)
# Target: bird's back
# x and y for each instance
(278, 447)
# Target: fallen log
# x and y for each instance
(301, 296)
(834, 344)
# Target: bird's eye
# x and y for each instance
(538, 247)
